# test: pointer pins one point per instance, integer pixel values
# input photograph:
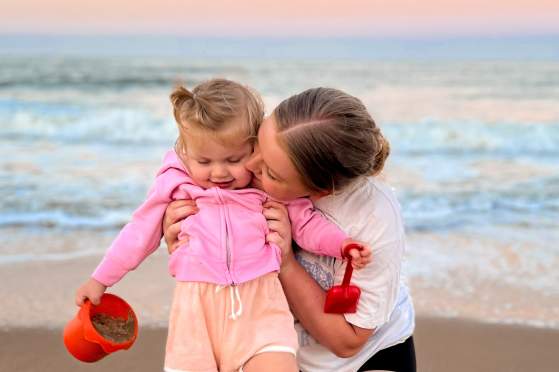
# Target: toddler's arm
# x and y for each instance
(312, 231)
(142, 235)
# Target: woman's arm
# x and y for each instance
(306, 298)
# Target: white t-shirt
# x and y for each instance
(367, 211)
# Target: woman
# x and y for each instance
(323, 144)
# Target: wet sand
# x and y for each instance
(441, 345)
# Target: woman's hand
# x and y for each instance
(91, 290)
(176, 212)
(277, 218)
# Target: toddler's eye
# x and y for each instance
(203, 162)
(234, 161)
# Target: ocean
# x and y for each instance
(473, 126)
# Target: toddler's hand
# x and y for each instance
(92, 290)
(359, 257)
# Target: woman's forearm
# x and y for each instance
(306, 299)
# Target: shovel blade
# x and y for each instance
(342, 299)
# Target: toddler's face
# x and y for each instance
(214, 164)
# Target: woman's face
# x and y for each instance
(273, 170)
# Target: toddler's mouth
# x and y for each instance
(223, 185)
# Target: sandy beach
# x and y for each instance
(37, 300)
(441, 344)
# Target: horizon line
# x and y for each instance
(437, 36)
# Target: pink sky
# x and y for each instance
(281, 18)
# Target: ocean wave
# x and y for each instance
(473, 137)
(106, 220)
(106, 73)
(30, 120)
(443, 210)
(59, 122)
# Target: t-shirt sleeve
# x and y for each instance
(383, 229)
(379, 282)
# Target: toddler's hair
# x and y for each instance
(211, 108)
(330, 137)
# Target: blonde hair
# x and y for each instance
(330, 137)
(211, 108)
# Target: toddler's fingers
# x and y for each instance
(80, 300)
(357, 265)
(95, 300)
(354, 254)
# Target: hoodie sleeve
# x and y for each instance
(314, 232)
(142, 235)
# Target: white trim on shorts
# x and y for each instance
(276, 349)
(272, 349)
(265, 349)
(167, 369)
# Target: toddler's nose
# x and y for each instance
(219, 172)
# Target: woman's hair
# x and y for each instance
(211, 109)
(330, 137)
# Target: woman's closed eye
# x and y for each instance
(269, 174)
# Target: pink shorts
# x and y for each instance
(215, 328)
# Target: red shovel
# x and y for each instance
(343, 298)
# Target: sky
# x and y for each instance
(313, 18)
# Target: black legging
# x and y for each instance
(399, 358)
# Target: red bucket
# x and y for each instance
(82, 339)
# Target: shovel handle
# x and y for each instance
(349, 268)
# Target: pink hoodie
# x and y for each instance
(227, 237)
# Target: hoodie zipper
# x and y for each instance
(227, 243)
